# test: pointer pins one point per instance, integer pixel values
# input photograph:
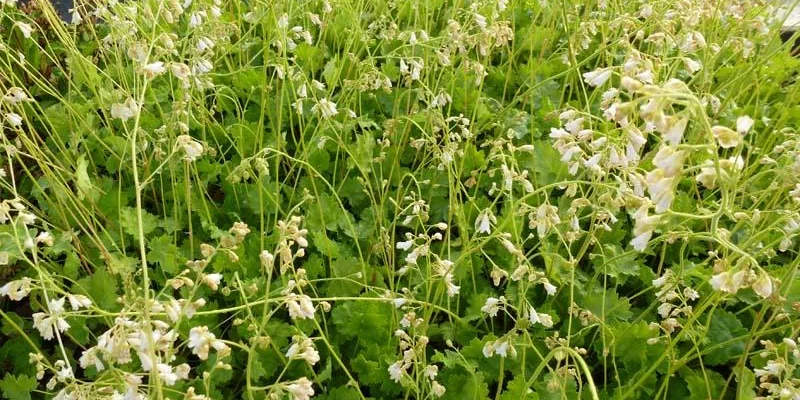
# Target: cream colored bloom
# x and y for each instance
(154, 69)
(743, 124)
(763, 285)
(670, 160)
(726, 137)
(597, 77)
(300, 306)
(16, 290)
(727, 282)
(201, 341)
(302, 348)
(14, 119)
(325, 108)
(26, 29)
(47, 322)
(191, 147)
(300, 389)
(492, 306)
(125, 111)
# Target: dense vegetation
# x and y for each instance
(422, 199)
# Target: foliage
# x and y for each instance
(344, 199)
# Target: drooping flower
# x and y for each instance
(47, 322)
(669, 159)
(125, 111)
(300, 306)
(597, 77)
(14, 119)
(726, 137)
(191, 147)
(728, 282)
(300, 389)
(16, 290)
(212, 280)
(540, 318)
(763, 285)
(76, 301)
(483, 224)
(201, 341)
(154, 69)
(325, 108)
(643, 228)
(660, 187)
(302, 348)
(743, 124)
(492, 305)
(25, 28)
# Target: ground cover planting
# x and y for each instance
(422, 199)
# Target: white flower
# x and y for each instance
(663, 279)
(16, 95)
(201, 341)
(549, 287)
(660, 187)
(212, 280)
(669, 160)
(191, 147)
(483, 224)
(541, 318)
(76, 17)
(452, 289)
(303, 348)
(14, 119)
(643, 228)
(154, 69)
(166, 374)
(437, 389)
(45, 322)
(743, 124)
(674, 131)
(89, 357)
(300, 306)
(691, 65)
(492, 306)
(16, 290)
(597, 77)
(405, 245)
(44, 238)
(325, 108)
(763, 285)
(727, 282)
(727, 138)
(396, 371)
(76, 301)
(180, 70)
(125, 111)
(26, 29)
(300, 389)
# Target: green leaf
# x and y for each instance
(369, 321)
(164, 253)
(18, 387)
(608, 304)
(518, 389)
(341, 393)
(616, 262)
(706, 384)
(746, 382)
(129, 221)
(101, 287)
(83, 182)
(722, 331)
